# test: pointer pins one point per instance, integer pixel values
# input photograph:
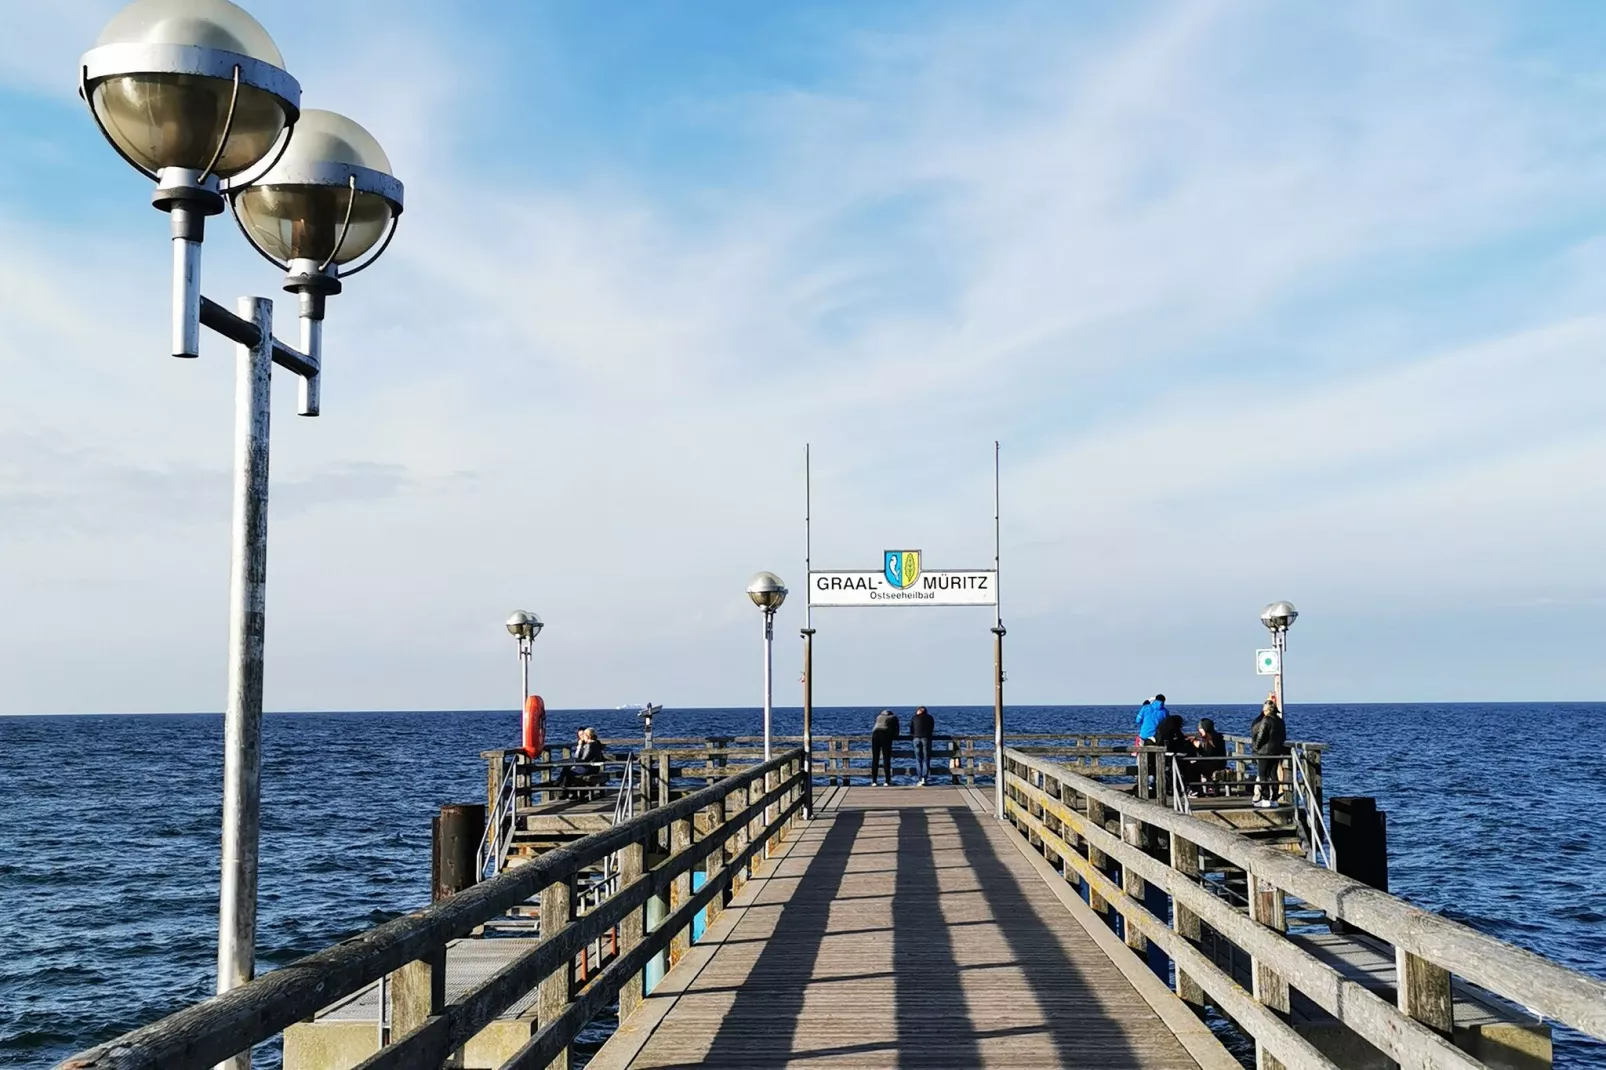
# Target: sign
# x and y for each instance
(1267, 663)
(903, 581)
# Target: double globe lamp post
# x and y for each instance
(194, 94)
(524, 626)
(767, 592)
(1278, 618)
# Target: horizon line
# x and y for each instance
(512, 711)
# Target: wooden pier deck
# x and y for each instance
(905, 927)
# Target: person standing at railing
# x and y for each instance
(1150, 714)
(921, 728)
(881, 737)
(1268, 737)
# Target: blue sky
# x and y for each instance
(1263, 300)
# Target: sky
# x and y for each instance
(1261, 300)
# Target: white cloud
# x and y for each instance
(1151, 257)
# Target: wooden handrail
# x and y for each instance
(205, 1034)
(1430, 947)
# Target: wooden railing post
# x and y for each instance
(713, 818)
(1424, 994)
(1270, 988)
(1133, 885)
(493, 781)
(664, 795)
(772, 780)
(969, 761)
(1184, 922)
(680, 838)
(1097, 858)
(755, 827)
(557, 989)
(417, 991)
(632, 864)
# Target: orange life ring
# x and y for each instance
(534, 725)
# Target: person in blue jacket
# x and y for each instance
(1149, 717)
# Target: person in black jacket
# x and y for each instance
(921, 727)
(1178, 746)
(881, 737)
(1268, 737)
(1207, 744)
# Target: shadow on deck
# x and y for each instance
(901, 928)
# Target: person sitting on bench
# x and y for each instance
(587, 749)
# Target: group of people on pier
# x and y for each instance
(1204, 753)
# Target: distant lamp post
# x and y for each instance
(194, 94)
(767, 592)
(524, 626)
(1278, 618)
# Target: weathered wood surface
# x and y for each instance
(901, 929)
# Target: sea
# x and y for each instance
(109, 833)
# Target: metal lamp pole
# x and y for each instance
(315, 204)
(767, 592)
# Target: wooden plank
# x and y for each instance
(896, 934)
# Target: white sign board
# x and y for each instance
(965, 587)
(1266, 663)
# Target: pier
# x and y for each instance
(748, 915)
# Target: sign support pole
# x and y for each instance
(998, 657)
(808, 642)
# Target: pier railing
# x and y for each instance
(1118, 847)
(720, 830)
(841, 759)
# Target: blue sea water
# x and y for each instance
(109, 831)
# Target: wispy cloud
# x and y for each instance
(1262, 300)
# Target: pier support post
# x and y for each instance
(1133, 885)
(1270, 988)
(713, 819)
(458, 830)
(1098, 859)
(242, 718)
(557, 989)
(1184, 922)
(632, 864)
(680, 839)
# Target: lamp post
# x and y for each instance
(194, 94)
(767, 592)
(524, 626)
(1278, 618)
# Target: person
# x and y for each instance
(1170, 735)
(1268, 738)
(1208, 747)
(587, 748)
(881, 737)
(1150, 714)
(921, 727)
